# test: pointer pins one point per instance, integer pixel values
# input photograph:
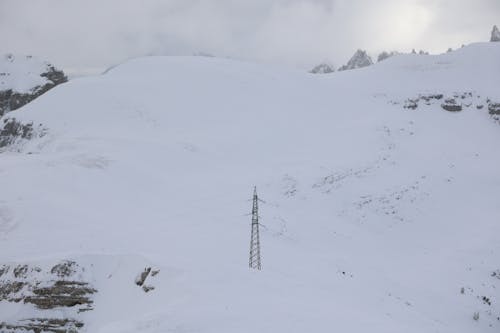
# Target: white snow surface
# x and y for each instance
(375, 216)
(22, 73)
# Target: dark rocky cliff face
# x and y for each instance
(12, 130)
(11, 100)
(60, 288)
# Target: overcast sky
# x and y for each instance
(93, 34)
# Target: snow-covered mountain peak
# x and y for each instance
(358, 60)
(495, 34)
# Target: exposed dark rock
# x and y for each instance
(9, 289)
(385, 55)
(463, 95)
(142, 277)
(4, 270)
(55, 76)
(12, 100)
(495, 34)
(411, 104)
(5, 96)
(42, 325)
(20, 271)
(494, 108)
(64, 269)
(428, 98)
(155, 272)
(30, 285)
(323, 69)
(486, 300)
(451, 105)
(147, 288)
(61, 294)
(454, 102)
(24, 284)
(72, 288)
(51, 302)
(12, 130)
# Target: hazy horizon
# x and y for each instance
(89, 36)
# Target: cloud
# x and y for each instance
(94, 33)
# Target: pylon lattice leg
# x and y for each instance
(254, 259)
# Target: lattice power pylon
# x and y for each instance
(254, 260)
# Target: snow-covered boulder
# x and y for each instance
(495, 34)
(358, 60)
(323, 68)
(24, 78)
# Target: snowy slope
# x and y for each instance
(375, 215)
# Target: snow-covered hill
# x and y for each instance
(381, 207)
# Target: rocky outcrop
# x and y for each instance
(450, 104)
(140, 280)
(323, 69)
(12, 130)
(493, 108)
(412, 103)
(385, 55)
(454, 102)
(495, 34)
(62, 294)
(421, 52)
(36, 77)
(57, 288)
(40, 325)
(358, 60)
